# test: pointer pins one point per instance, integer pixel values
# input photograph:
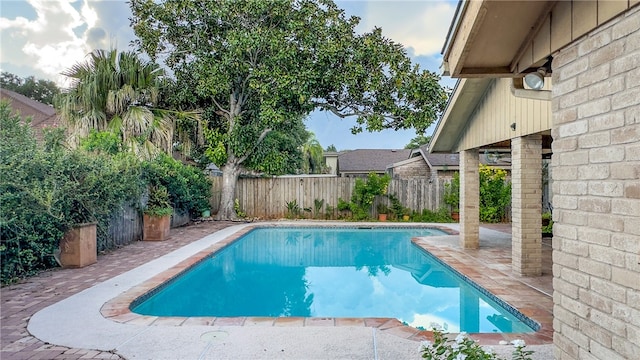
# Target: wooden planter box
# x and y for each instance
(156, 228)
(78, 246)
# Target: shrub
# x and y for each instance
(45, 190)
(102, 142)
(463, 347)
(396, 208)
(495, 194)
(441, 215)
(452, 192)
(293, 209)
(364, 193)
(158, 204)
(189, 188)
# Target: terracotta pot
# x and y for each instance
(156, 228)
(78, 246)
(455, 216)
(382, 217)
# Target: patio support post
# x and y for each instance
(469, 199)
(526, 205)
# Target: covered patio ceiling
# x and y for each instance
(491, 38)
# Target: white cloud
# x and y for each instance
(419, 25)
(48, 42)
(61, 34)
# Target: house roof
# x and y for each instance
(368, 160)
(434, 160)
(451, 161)
(42, 115)
(462, 102)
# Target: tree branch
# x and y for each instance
(255, 145)
(221, 110)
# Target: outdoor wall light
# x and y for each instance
(535, 80)
(513, 126)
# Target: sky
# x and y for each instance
(42, 38)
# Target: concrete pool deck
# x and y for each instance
(82, 321)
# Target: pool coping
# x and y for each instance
(505, 287)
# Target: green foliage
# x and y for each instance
(364, 193)
(46, 190)
(330, 212)
(547, 223)
(37, 89)
(382, 208)
(452, 192)
(281, 151)
(495, 194)
(189, 188)
(158, 203)
(464, 347)
(106, 142)
(313, 160)
(273, 63)
(238, 209)
(397, 209)
(317, 207)
(331, 148)
(119, 92)
(442, 215)
(418, 141)
(293, 209)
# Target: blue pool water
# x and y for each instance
(332, 272)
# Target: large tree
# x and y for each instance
(120, 93)
(261, 63)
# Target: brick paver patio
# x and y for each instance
(20, 301)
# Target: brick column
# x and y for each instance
(526, 205)
(469, 199)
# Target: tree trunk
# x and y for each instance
(229, 181)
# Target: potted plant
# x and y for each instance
(406, 214)
(157, 214)
(383, 210)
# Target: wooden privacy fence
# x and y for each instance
(126, 226)
(267, 198)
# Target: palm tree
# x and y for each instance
(120, 93)
(312, 152)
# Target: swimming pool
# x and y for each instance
(332, 272)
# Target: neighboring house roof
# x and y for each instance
(405, 162)
(370, 160)
(42, 115)
(451, 161)
(437, 160)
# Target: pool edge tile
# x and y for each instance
(118, 308)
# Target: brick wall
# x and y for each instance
(596, 187)
(412, 169)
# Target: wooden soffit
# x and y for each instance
(495, 38)
(488, 37)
